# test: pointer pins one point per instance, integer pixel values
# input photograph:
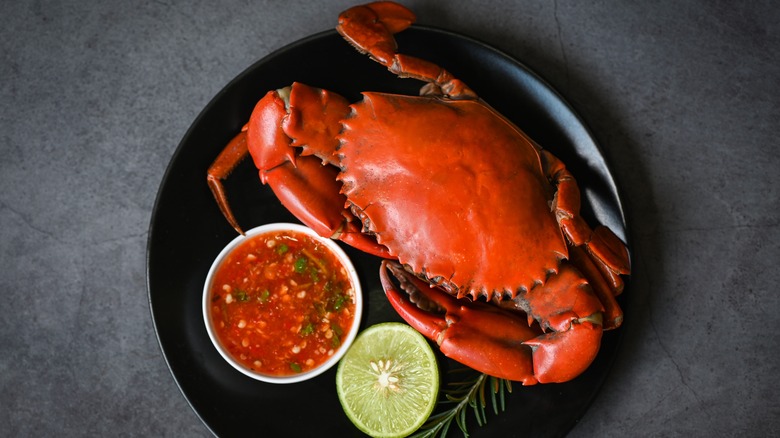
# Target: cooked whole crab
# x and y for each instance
(479, 225)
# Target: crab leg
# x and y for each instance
(613, 313)
(370, 29)
(605, 249)
(306, 187)
(230, 157)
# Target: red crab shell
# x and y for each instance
(474, 222)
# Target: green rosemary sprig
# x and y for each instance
(462, 394)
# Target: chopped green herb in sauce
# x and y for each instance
(242, 295)
(300, 265)
(335, 341)
(307, 329)
(337, 301)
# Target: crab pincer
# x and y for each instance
(476, 334)
(497, 341)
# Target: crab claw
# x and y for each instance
(285, 121)
(483, 337)
(498, 341)
(562, 356)
(571, 314)
(370, 29)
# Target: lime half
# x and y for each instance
(388, 381)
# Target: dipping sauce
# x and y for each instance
(281, 303)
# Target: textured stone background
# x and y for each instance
(683, 96)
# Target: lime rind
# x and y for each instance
(388, 382)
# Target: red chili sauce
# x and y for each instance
(280, 303)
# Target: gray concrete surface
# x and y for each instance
(684, 97)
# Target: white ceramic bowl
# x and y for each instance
(346, 340)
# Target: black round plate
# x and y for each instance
(187, 231)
